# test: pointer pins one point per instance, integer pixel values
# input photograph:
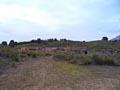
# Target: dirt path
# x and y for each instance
(48, 74)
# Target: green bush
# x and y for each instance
(108, 61)
(97, 60)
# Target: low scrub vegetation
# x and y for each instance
(96, 59)
(109, 61)
(32, 54)
(85, 60)
(14, 56)
(64, 56)
(8, 57)
(9, 53)
(77, 59)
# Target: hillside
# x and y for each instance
(116, 38)
(60, 65)
(74, 49)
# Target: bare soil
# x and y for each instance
(49, 74)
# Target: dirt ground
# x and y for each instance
(49, 74)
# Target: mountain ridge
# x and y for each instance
(116, 38)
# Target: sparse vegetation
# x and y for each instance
(46, 73)
(76, 59)
(109, 61)
(97, 60)
(41, 60)
(85, 60)
(64, 56)
(32, 54)
(74, 54)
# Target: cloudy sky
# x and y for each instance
(72, 19)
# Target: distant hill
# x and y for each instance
(116, 38)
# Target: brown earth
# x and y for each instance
(49, 74)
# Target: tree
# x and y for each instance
(105, 38)
(63, 40)
(15, 43)
(33, 41)
(39, 40)
(55, 39)
(4, 43)
(12, 43)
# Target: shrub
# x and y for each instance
(14, 56)
(83, 60)
(75, 59)
(64, 56)
(108, 61)
(4, 43)
(32, 54)
(97, 60)
(48, 54)
(16, 59)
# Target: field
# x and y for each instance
(60, 66)
(49, 74)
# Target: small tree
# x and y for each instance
(55, 39)
(32, 41)
(50, 40)
(15, 43)
(12, 43)
(105, 38)
(4, 43)
(39, 40)
(63, 40)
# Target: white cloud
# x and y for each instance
(69, 18)
(35, 15)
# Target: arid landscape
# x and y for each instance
(60, 65)
(59, 44)
(48, 74)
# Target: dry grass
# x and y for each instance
(48, 74)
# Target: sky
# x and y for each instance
(22, 20)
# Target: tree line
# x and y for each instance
(12, 43)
